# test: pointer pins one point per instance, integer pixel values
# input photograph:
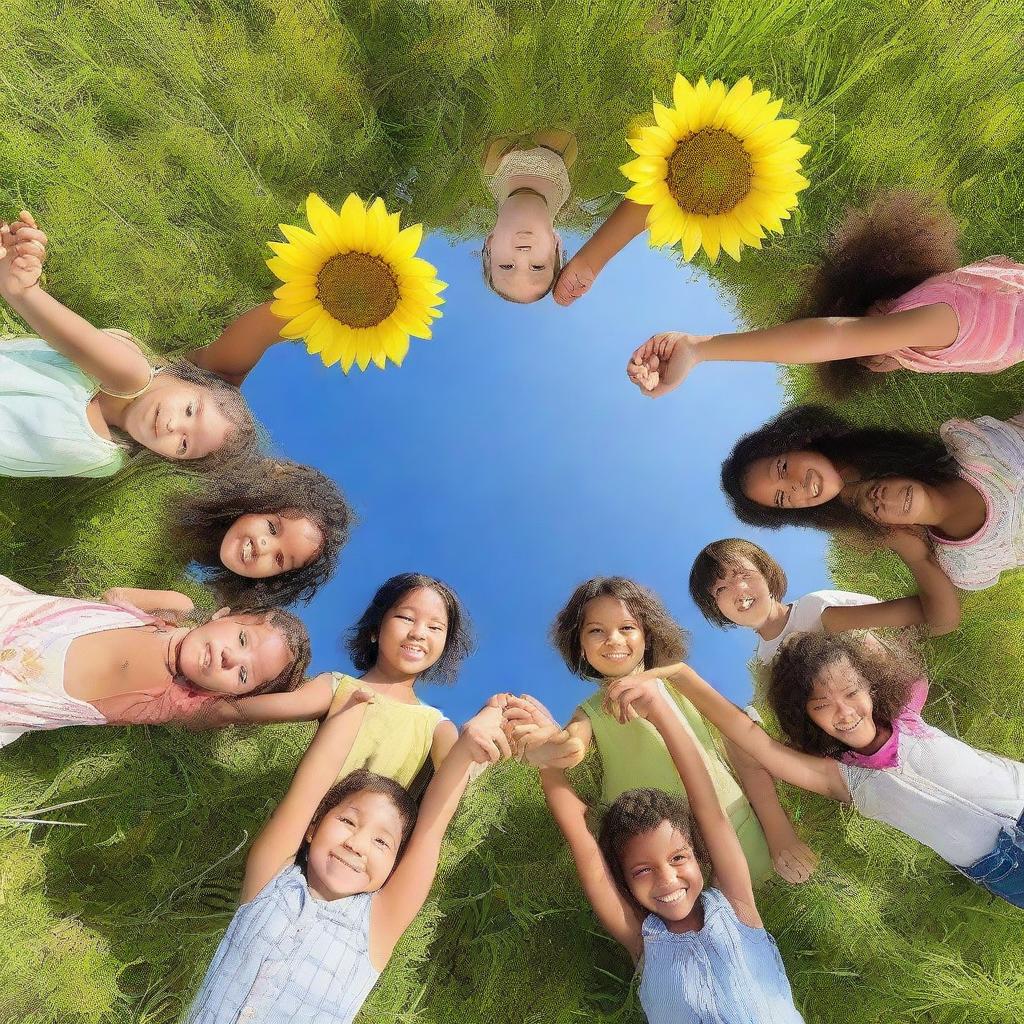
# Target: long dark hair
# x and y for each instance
(877, 252)
(362, 645)
(875, 452)
(665, 641)
(262, 485)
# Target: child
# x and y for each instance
(65, 393)
(612, 627)
(70, 662)
(264, 533)
(811, 467)
(333, 881)
(889, 293)
(736, 583)
(850, 711)
(704, 952)
(522, 254)
(414, 629)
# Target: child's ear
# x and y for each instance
(220, 613)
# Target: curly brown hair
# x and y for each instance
(363, 781)
(889, 668)
(253, 486)
(716, 559)
(665, 641)
(875, 452)
(361, 642)
(877, 252)
(642, 810)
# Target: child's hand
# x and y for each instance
(909, 542)
(795, 861)
(575, 280)
(482, 735)
(662, 363)
(22, 252)
(637, 696)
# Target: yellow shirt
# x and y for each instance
(394, 739)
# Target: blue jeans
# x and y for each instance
(1002, 870)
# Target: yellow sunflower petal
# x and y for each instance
(653, 141)
(405, 245)
(302, 260)
(306, 240)
(690, 239)
(284, 271)
(297, 328)
(396, 345)
(730, 239)
(286, 309)
(352, 223)
(323, 220)
(297, 290)
(711, 238)
(378, 237)
(682, 92)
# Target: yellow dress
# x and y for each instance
(394, 738)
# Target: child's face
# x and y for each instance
(232, 654)
(355, 846)
(413, 633)
(177, 420)
(840, 705)
(894, 501)
(742, 595)
(792, 480)
(662, 872)
(261, 545)
(612, 637)
(523, 247)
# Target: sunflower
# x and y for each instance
(354, 287)
(716, 169)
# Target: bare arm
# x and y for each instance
(309, 702)
(731, 873)
(151, 601)
(445, 736)
(403, 895)
(827, 338)
(241, 345)
(115, 362)
(283, 834)
(816, 774)
(625, 223)
(616, 914)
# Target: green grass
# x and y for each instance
(160, 142)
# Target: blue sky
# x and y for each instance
(511, 457)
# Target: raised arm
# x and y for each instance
(168, 604)
(616, 914)
(309, 702)
(283, 834)
(625, 223)
(241, 345)
(402, 897)
(731, 873)
(816, 774)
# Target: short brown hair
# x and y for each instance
(665, 641)
(890, 667)
(711, 564)
(642, 810)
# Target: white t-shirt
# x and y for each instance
(805, 617)
(941, 792)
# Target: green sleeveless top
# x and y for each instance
(634, 756)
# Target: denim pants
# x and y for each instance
(1002, 870)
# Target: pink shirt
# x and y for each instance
(987, 298)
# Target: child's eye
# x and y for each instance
(506, 266)
(279, 560)
(242, 638)
(183, 447)
(347, 820)
(437, 629)
(272, 527)
(383, 842)
(190, 409)
(541, 267)
(243, 675)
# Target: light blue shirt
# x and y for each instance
(726, 973)
(290, 958)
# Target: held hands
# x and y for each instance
(636, 696)
(662, 363)
(483, 737)
(22, 252)
(575, 280)
(536, 737)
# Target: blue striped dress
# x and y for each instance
(290, 958)
(726, 973)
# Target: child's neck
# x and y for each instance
(693, 922)
(959, 509)
(776, 621)
(391, 683)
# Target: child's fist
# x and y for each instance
(22, 252)
(794, 862)
(574, 280)
(662, 363)
(482, 735)
(638, 696)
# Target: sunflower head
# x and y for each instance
(353, 287)
(717, 168)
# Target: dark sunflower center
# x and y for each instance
(709, 172)
(357, 289)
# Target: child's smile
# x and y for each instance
(742, 594)
(663, 875)
(840, 705)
